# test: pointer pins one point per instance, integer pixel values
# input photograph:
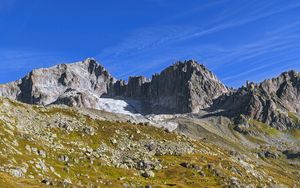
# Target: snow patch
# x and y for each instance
(133, 108)
(128, 107)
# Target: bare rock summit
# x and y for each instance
(273, 101)
(181, 88)
(49, 85)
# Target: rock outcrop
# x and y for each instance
(78, 98)
(181, 88)
(49, 85)
(137, 87)
(184, 87)
(274, 101)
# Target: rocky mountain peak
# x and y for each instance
(47, 85)
(290, 74)
(274, 101)
(89, 60)
(185, 87)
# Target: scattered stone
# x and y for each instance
(47, 182)
(41, 165)
(15, 143)
(42, 153)
(184, 164)
(16, 173)
(171, 184)
(201, 173)
(234, 183)
(28, 148)
(34, 150)
(113, 141)
(63, 158)
(148, 174)
(122, 178)
(67, 182)
(89, 130)
(267, 154)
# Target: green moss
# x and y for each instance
(7, 181)
(264, 128)
(256, 140)
(17, 104)
(293, 117)
(65, 111)
(295, 133)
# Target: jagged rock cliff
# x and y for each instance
(274, 101)
(52, 85)
(180, 88)
(137, 87)
(184, 87)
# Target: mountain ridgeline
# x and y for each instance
(180, 88)
(184, 87)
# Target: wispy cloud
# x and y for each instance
(148, 48)
(17, 63)
(256, 60)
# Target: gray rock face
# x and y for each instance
(181, 88)
(136, 87)
(274, 101)
(52, 85)
(118, 89)
(78, 98)
(184, 87)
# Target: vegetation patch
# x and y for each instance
(293, 117)
(264, 128)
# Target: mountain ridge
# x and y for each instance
(53, 85)
(83, 127)
(184, 87)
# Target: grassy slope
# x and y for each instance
(98, 173)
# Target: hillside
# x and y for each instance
(62, 146)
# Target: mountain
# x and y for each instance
(273, 101)
(72, 84)
(81, 127)
(184, 87)
(181, 88)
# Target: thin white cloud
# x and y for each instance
(157, 36)
(17, 63)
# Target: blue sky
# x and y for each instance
(238, 40)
